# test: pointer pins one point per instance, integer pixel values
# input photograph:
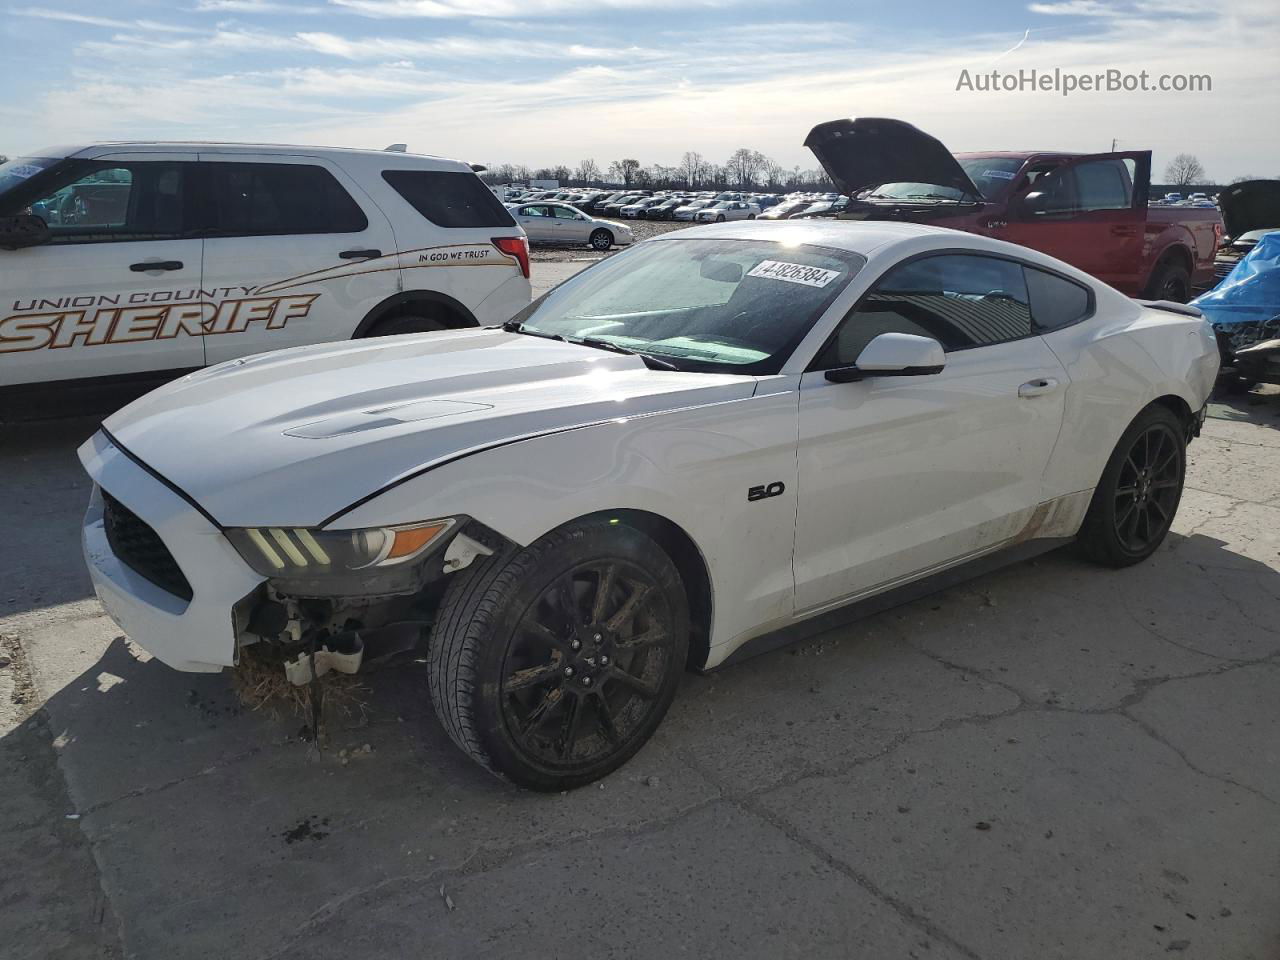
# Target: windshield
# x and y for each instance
(991, 175)
(727, 306)
(20, 170)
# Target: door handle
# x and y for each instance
(1124, 231)
(149, 265)
(1038, 388)
(360, 254)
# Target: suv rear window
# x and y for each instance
(264, 199)
(449, 198)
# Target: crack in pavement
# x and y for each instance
(1142, 688)
(486, 857)
(903, 909)
(176, 781)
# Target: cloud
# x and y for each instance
(1076, 8)
(253, 6)
(230, 41)
(64, 16)
(519, 95)
(507, 9)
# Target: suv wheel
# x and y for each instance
(1134, 503)
(552, 667)
(601, 239)
(405, 323)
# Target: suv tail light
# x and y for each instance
(517, 247)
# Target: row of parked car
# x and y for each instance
(699, 207)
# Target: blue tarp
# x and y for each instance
(1249, 294)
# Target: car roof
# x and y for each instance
(877, 239)
(99, 148)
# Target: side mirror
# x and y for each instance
(1035, 203)
(24, 230)
(893, 355)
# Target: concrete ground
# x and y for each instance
(1052, 761)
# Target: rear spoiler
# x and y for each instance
(1172, 306)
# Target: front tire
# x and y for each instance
(601, 240)
(720, 219)
(1135, 501)
(553, 666)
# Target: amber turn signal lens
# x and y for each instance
(409, 542)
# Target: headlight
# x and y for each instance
(312, 562)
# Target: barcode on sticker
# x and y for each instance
(793, 273)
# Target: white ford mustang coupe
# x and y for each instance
(689, 452)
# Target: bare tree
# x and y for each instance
(774, 173)
(625, 170)
(745, 165)
(1184, 170)
(693, 168)
(588, 172)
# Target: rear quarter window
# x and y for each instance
(1055, 301)
(449, 198)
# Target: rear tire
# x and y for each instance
(550, 670)
(1135, 502)
(406, 323)
(1170, 281)
(601, 239)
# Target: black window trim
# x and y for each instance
(1036, 330)
(192, 202)
(197, 188)
(204, 193)
(387, 174)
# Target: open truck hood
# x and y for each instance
(1252, 205)
(869, 151)
(294, 437)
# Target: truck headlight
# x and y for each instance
(312, 562)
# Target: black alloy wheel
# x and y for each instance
(1149, 487)
(551, 666)
(584, 669)
(1136, 498)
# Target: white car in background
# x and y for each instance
(127, 259)
(724, 210)
(690, 210)
(550, 222)
(679, 457)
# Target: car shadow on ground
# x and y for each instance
(1261, 405)
(165, 768)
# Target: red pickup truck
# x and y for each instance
(1087, 209)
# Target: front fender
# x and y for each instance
(693, 467)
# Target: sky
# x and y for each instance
(542, 82)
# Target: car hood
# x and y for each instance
(1252, 205)
(294, 437)
(869, 151)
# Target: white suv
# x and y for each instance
(121, 259)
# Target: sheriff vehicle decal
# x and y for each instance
(94, 321)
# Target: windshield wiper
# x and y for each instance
(515, 326)
(649, 359)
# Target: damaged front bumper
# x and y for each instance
(195, 634)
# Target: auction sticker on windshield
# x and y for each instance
(794, 273)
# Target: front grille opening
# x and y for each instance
(140, 548)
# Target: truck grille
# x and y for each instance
(140, 548)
